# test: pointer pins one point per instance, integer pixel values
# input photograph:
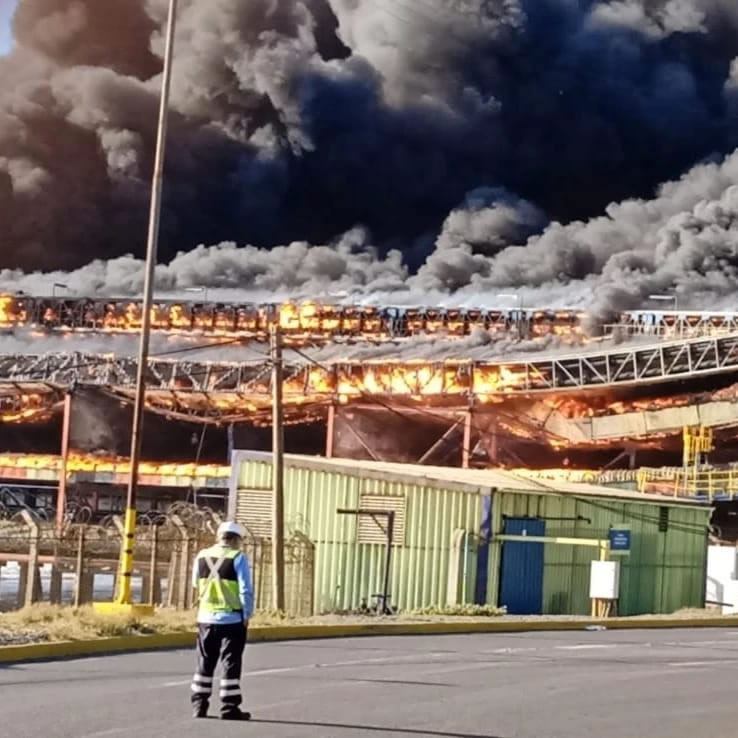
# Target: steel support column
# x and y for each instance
(330, 436)
(61, 496)
(466, 443)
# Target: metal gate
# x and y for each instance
(521, 579)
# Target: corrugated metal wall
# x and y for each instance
(664, 571)
(346, 571)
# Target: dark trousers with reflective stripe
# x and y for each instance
(225, 643)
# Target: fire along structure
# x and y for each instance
(568, 390)
(309, 322)
(32, 482)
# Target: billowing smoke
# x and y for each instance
(444, 147)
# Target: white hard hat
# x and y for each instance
(230, 528)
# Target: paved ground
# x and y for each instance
(660, 684)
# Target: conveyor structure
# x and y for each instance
(457, 382)
(303, 322)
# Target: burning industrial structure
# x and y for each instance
(541, 388)
(545, 392)
(311, 321)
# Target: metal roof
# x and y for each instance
(472, 480)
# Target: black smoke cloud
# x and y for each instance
(480, 143)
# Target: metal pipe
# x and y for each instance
(388, 562)
(383, 608)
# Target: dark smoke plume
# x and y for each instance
(480, 143)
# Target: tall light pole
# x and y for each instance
(123, 599)
(512, 296)
(670, 298)
(522, 328)
(202, 290)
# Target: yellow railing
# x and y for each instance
(709, 483)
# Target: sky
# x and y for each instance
(6, 12)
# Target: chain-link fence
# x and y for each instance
(79, 564)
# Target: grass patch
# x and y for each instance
(55, 623)
(45, 622)
(463, 611)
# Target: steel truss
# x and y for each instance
(656, 363)
(670, 324)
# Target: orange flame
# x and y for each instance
(6, 305)
(297, 320)
(107, 464)
(25, 408)
(573, 407)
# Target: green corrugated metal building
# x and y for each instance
(448, 522)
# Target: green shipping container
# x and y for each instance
(446, 548)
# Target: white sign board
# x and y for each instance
(604, 580)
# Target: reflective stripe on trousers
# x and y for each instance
(201, 684)
(230, 688)
(224, 643)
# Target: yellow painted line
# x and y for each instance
(264, 633)
(96, 646)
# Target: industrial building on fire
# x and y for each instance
(458, 536)
(640, 398)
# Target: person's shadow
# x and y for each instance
(376, 729)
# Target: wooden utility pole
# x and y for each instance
(277, 469)
(129, 536)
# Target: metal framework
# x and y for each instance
(673, 324)
(252, 320)
(465, 380)
(315, 321)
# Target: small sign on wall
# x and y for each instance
(620, 540)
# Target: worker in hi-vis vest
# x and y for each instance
(226, 602)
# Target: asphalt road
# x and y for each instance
(659, 684)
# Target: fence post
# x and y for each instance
(33, 577)
(183, 579)
(154, 592)
(172, 574)
(79, 569)
(55, 585)
(22, 583)
(121, 530)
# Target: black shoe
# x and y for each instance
(200, 712)
(236, 715)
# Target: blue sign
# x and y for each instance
(619, 539)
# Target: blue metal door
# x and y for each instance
(521, 578)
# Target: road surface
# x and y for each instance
(613, 684)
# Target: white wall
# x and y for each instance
(721, 583)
